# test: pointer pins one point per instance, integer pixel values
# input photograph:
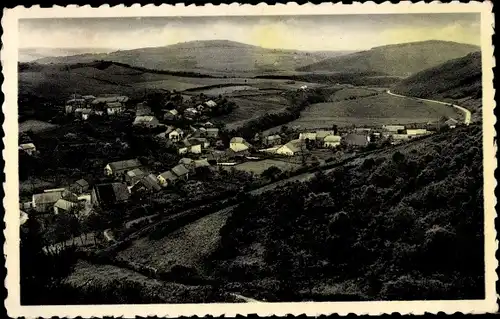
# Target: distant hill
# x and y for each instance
(32, 54)
(399, 59)
(214, 56)
(458, 80)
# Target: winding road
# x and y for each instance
(466, 112)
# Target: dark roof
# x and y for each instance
(180, 170)
(112, 193)
(125, 165)
(150, 182)
(82, 183)
(356, 139)
(168, 175)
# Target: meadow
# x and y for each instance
(372, 110)
(258, 167)
(35, 126)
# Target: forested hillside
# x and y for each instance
(398, 59)
(459, 80)
(404, 225)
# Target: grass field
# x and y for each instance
(187, 247)
(35, 126)
(258, 167)
(374, 110)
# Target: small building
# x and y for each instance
(393, 128)
(28, 148)
(238, 144)
(201, 163)
(272, 140)
(166, 178)
(176, 135)
(63, 206)
(181, 172)
(109, 194)
(200, 140)
(291, 148)
(80, 186)
(191, 112)
(147, 184)
(320, 135)
(307, 136)
(113, 108)
(187, 146)
(186, 161)
(73, 104)
(210, 104)
(451, 123)
(44, 202)
(23, 217)
(146, 121)
(120, 167)
(354, 139)
(212, 132)
(134, 175)
(208, 124)
(171, 115)
(332, 141)
(416, 132)
(86, 114)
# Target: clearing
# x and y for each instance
(258, 167)
(187, 246)
(35, 126)
(373, 110)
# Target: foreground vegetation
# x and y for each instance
(406, 225)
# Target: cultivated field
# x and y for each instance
(373, 110)
(35, 126)
(187, 246)
(258, 167)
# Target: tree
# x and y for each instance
(272, 173)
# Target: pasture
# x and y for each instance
(187, 246)
(35, 126)
(258, 167)
(373, 110)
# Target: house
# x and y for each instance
(451, 123)
(354, 139)
(238, 144)
(303, 87)
(291, 148)
(109, 194)
(416, 132)
(176, 135)
(63, 206)
(393, 128)
(80, 186)
(332, 141)
(200, 140)
(272, 140)
(23, 218)
(86, 114)
(307, 136)
(208, 124)
(181, 172)
(73, 104)
(88, 98)
(170, 115)
(147, 184)
(111, 99)
(400, 137)
(120, 167)
(28, 148)
(146, 121)
(200, 107)
(320, 135)
(191, 145)
(134, 175)
(113, 108)
(213, 132)
(44, 202)
(211, 104)
(166, 178)
(201, 163)
(190, 112)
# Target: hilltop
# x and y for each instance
(399, 59)
(32, 54)
(214, 56)
(458, 80)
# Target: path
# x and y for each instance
(466, 112)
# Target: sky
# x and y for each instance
(310, 33)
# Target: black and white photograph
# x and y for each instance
(253, 159)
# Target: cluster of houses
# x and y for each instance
(88, 105)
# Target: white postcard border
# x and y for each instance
(9, 56)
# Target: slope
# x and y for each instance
(399, 59)
(32, 54)
(367, 230)
(214, 56)
(458, 81)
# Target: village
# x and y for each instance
(201, 146)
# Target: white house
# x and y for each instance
(146, 121)
(291, 148)
(415, 132)
(113, 108)
(238, 144)
(307, 136)
(211, 104)
(166, 178)
(320, 135)
(332, 141)
(28, 148)
(176, 135)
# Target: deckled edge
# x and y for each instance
(11, 233)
